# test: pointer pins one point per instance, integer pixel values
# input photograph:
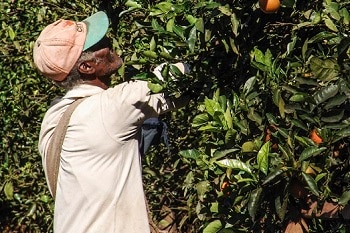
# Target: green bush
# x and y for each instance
(263, 82)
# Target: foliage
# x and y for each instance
(260, 84)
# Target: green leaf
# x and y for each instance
(263, 158)
(332, 9)
(249, 85)
(155, 87)
(134, 4)
(212, 106)
(299, 97)
(300, 124)
(264, 59)
(281, 107)
(271, 118)
(230, 135)
(11, 33)
(200, 25)
(192, 39)
(222, 99)
(281, 208)
(165, 7)
(156, 26)
(32, 210)
(191, 19)
(310, 152)
(254, 201)
(307, 81)
(343, 47)
(254, 116)
(150, 54)
(222, 153)
(249, 147)
(335, 101)
(304, 140)
(302, 24)
(210, 128)
(235, 164)
(142, 76)
(8, 189)
(166, 55)
(170, 24)
(234, 46)
(286, 153)
(228, 118)
(200, 119)
(202, 188)
(190, 154)
(311, 183)
(284, 132)
(152, 44)
(325, 70)
(345, 198)
(225, 10)
(178, 30)
(304, 49)
(275, 175)
(307, 118)
(345, 15)
(333, 116)
(325, 93)
(165, 72)
(45, 198)
(258, 55)
(324, 35)
(329, 23)
(343, 133)
(214, 208)
(213, 227)
(291, 45)
(234, 24)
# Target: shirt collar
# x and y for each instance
(83, 90)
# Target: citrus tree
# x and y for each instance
(264, 138)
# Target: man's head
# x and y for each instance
(67, 50)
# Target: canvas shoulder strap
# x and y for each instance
(55, 147)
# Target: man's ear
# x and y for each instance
(86, 67)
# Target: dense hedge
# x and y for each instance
(263, 82)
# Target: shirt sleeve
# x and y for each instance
(126, 106)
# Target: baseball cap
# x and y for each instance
(61, 43)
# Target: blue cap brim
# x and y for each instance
(97, 26)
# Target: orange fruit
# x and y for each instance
(315, 137)
(224, 185)
(269, 6)
(269, 137)
(225, 188)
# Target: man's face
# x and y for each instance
(107, 61)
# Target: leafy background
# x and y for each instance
(242, 159)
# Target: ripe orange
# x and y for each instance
(225, 188)
(269, 137)
(269, 6)
(224, 185)
(315, 137)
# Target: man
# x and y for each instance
(99, 186)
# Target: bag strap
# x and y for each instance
(55, 147)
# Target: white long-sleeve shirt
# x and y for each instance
(99, 187)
